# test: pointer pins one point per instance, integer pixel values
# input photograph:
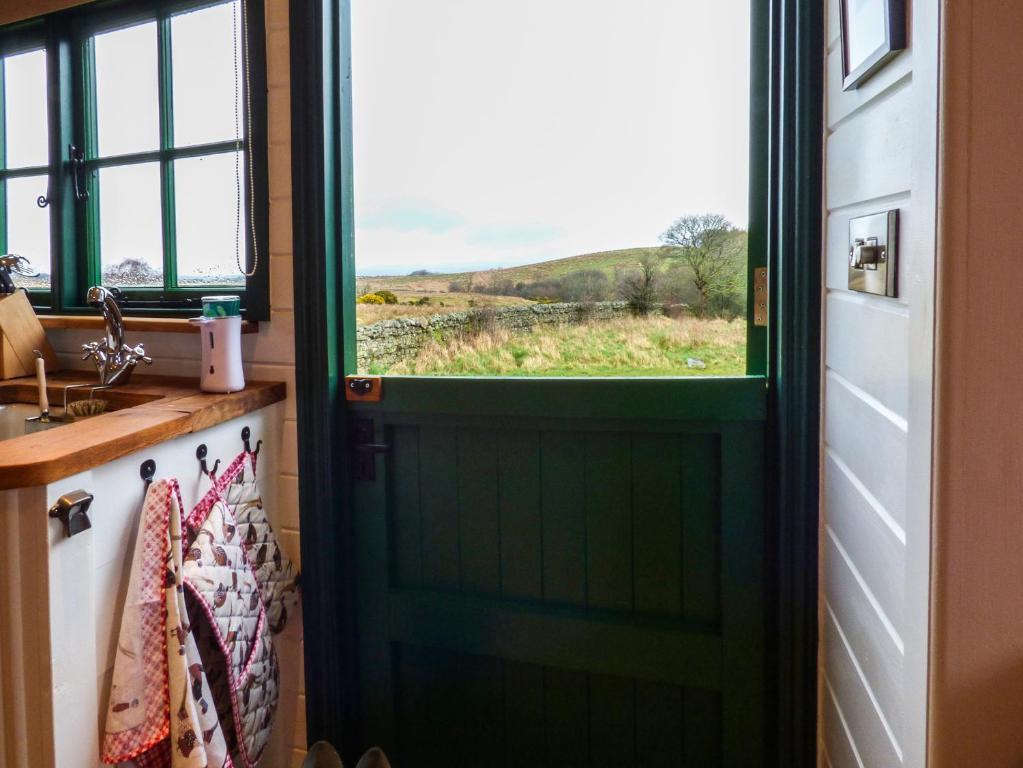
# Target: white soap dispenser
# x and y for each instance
(220, 328)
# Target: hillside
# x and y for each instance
(607, 262)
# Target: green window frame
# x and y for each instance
(75, 258)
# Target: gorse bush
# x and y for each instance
(370, 298)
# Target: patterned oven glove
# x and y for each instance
(275, 573)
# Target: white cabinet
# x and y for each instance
(61, 598)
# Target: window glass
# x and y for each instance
(25, 119)
(208, 231)
(28, 227)
(204, 45)
(551, 188)
(130, 229)
(127, 90)
(161, 204)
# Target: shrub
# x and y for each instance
(639, 286)
(422, 301)
(387, 296)
(479, 321)
(370, 298)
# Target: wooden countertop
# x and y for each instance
(149, 410)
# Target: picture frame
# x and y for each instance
(873, 31)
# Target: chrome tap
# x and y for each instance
(114, 359)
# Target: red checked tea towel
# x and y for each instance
(161, 710)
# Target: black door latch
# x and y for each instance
(364, 450)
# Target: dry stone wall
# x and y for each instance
(389, 342)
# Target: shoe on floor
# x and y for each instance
(374, 758)
(322, 755)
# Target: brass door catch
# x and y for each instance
(364, 389)
(760, 297)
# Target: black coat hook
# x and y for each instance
(200, 454)
(246, 435)
(147, 472)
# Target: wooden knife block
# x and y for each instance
(22, 335)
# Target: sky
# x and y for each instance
(496, 132)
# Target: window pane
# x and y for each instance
(207, 223)
(28, 228)
(131, 241)
(203, 45)
(127, 91)
(25, 110)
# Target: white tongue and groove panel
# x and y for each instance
(877, 359)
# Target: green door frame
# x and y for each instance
(788, 95)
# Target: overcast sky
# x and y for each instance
(492, 132)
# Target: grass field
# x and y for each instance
(647, 346)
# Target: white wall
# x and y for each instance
(876, 433)
(270, 355)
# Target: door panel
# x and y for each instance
(582, 589)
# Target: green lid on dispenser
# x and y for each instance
(221, 306)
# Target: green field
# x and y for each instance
(642, 346)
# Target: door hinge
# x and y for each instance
(760, 297)
(364, 450)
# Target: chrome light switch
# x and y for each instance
(873, 253)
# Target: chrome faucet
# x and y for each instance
(114, 359)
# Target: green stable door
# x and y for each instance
(563, 573)
(567, 571)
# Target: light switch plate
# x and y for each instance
(879, 234)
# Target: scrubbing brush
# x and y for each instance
(81, 409)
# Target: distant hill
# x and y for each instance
(607, 262)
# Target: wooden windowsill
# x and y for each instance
(133, 324)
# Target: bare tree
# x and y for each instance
(705, 244)
(639, 286)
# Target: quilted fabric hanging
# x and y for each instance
(196, 677)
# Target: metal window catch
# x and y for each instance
(77, 159)
(71, 509)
